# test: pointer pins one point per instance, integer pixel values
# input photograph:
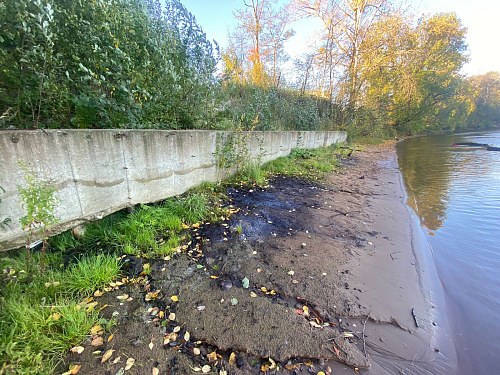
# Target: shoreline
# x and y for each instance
(401, 288)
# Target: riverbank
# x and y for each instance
(302, 278)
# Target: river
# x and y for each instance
(455, 191)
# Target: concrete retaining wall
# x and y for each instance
(98, 172)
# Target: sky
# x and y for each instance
(481, 17)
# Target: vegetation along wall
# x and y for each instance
(97, 172)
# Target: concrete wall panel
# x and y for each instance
(98, 172)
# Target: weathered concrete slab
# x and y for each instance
(98, 172)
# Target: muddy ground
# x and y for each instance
(303, 278)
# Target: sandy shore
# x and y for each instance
(394, 278)
(302, 278)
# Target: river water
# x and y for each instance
(455, 191)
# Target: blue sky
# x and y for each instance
(481, 17)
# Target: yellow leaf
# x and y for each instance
(253, 295)
(174, 298)
(171, 316)
(320, 373)
(124, 296)
(56, 316)
(264, 368)
(130, 363)
(206, 369)
(187, 336)
(232, 359)
(177, 329)
(103, 307)
(264, 289)
(95, 330)
(161, 314)
(107, 355)
(91, 306)
(212, 357)
(77, 349)
(98, 293)
(151, 345)
(214, 277)
(73, 370)
(116, 360)
(196, 351)
(110, 337)
(155, 371)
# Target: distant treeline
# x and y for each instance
(148, 64)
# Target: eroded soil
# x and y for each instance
(268, 289)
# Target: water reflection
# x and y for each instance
(426, 171)
(430, 164)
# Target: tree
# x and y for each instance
(346, 26)
(259, 39)
(486, 113)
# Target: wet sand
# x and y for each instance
(338, 278)
(407, 331)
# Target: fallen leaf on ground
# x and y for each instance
(107, 355)
(232, 359)
(171, 316)
(111, 337)
(77, 349)
(95, 330)
(291, 273)
(130, 363)
(122, 297)
(174, 298)
(151, 345)
(200, 308)
(155, 371)
(264, 368)
(98, 341)
(253, 295)
(116, 360)
(306, 311)
(91, 306)
(314, 324)
(103, 307)
(98, 293)
(212, 357)
(196, 351)
(73, 370)
(177, 329)
(187, 336)
(234, 301)
(273, 364)
(206, 369)
(337, 352)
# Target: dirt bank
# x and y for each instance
(302, 278)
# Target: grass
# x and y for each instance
(41, 316)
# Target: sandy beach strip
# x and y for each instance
(393, 277)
